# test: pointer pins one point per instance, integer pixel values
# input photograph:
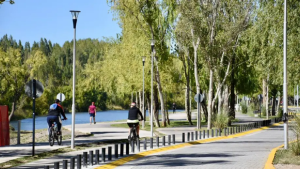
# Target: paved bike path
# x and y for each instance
(247, 152)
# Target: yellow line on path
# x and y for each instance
(124, 160)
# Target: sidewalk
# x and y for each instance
(102, 132)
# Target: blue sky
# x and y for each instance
(30, 20)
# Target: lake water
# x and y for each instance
(80, 118)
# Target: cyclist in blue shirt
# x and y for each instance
(54, 113)
(133, 118)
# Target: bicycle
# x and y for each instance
(133, 135)
(54, 136)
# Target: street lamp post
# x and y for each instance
(75, 16)
(152, 52)
(285, 120)
(144, 112)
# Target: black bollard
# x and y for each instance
(203, 134)
(46, 167)
(151, 143)
(65, 164)
(183, 137)
(196, 135)
(138, 145)
(79, 161)
(174, 141)
(188, 136)
(56, 165)
(91, 159)
(116, 151)
(145, 144)
(121, 149)
(169, 139)
(103, 155)
(164, 141)
(207, 133)
(85, 159)
(72, 163)
(200, 135)
(127, 148)
(192, 136)
(109, 153)
(97, 156)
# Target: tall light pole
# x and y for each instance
(285, 120)
(152, 52)
(75, 16)
(144, 112)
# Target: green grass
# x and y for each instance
(284, 156)
(28, 159)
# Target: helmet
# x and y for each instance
(57, 100)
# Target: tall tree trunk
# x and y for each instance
(264, 91)
(210, 97)
(13, 107)
(231, 113)
(167, 110)
(141, 101)
(273, 105)
(155, 108)
(267, 97)
(220, 101)
(278, 104)
(161, 96)
(137, 99)
(147, 95)
(225, 99)
(204, 107)
(187, 107)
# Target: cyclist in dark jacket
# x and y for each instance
(133, 118)
(54, 113)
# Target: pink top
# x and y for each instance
(92, 108)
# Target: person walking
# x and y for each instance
(174, 107)
(92, 111)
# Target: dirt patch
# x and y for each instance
(41, 135)
(286, 166)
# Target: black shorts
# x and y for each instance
(131, 124)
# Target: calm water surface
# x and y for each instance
(80, 118)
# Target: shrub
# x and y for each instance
(295, 147)
(220, 121)
(244, 107)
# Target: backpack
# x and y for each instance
(53, 106)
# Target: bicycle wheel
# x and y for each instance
(134, 136)
(51, 136)
(59, 139)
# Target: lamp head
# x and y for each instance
(75, 16)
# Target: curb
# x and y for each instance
(124, 160)
(269, 163)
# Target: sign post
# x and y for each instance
(198, 98)
(33, 89)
